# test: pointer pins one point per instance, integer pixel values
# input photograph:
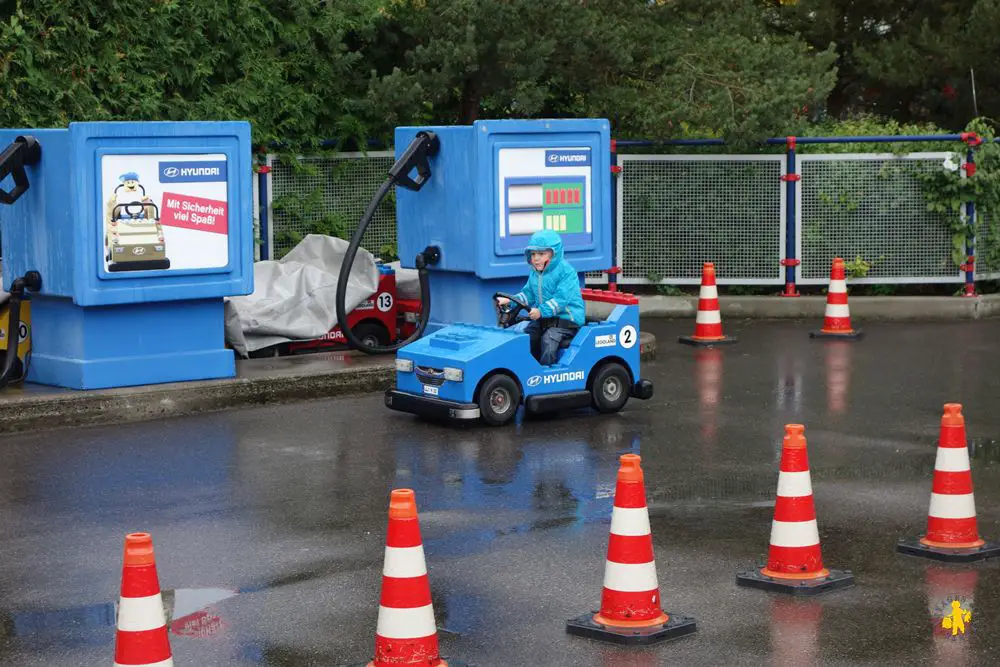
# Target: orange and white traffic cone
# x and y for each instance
(406, 633)
(631, 611)
(795, 560)
(141, 637)
(952, 530)
(708, 321)
(837, 318)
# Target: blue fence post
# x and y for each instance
(970, 212)
(262, 195)
(790, 178)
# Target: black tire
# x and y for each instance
(499, 398)
(371, 333)
(609, 388)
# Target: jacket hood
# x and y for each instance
(545, 239)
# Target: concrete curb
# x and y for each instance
(885, 308)
(40, 411)
(259, 382)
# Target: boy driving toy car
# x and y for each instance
(553, 292)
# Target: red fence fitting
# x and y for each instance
(790, 177)
(614, 145)
(613, 278)
(264, 169)
(790, 290)
(790, 143)
(970, 290)
(970, 168)
(790, 262)
(615, 169)
(971, 138)
(970, 264)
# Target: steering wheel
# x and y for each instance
(507, 315)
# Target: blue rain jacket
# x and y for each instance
(556, 290)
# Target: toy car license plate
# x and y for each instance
(431, 390)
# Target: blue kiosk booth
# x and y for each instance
(130, 234)
(492, 185)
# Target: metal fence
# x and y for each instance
(323, 193)
(769, 219)
(676, 212)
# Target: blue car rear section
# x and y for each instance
(442, 375)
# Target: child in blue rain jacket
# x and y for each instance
(553, 292)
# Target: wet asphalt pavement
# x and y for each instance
(269, 523)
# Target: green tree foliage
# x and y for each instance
(659, 69)
(304, 70)
(907, 59)
(291, 67)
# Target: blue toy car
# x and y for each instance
(465, 371)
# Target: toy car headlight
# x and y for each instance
(453, 374)
(404, 365)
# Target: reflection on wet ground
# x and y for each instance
(269, 524)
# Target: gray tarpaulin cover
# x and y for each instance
(294, 298)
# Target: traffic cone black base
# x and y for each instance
(691, 340)
(857, 334)
(912, 546)
(836, 579)
(676, 626)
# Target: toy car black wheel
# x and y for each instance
(609, 388)
(499, 398)
(371, 334)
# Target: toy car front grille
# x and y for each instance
(431, 376)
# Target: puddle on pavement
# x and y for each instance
(985, 451)
(189, 612)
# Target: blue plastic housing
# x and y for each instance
(93, 327)
(464, 209)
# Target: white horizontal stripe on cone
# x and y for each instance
(708, 317)
(945, 506)
(169, 662)
(405, 623)
(630, 577)
(404, 562)
(952, 459)
(710, 292)
(630, 521)
(141, 614)
(794, 533)
(838, 310)
(794, 484)
(838, 287)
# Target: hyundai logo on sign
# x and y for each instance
(193, 172)
(567, 158)
(534, 380)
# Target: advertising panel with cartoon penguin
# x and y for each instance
(165, 212)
